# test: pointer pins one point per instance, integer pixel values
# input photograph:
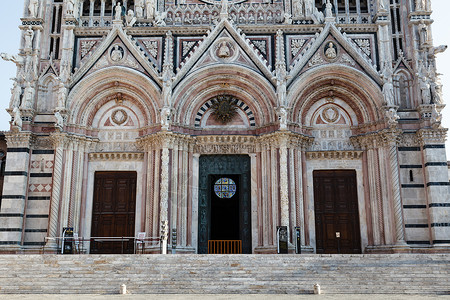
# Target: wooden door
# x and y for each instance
(113, 212)
(336, 212)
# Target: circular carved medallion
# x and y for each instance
(116, 53)
(330, 114)
(224, 50)
(119, 116)
(330, 51)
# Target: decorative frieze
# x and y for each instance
(225, 144)
(109, 156)
(334, 155)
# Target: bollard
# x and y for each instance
(317, 289)
(123, 289)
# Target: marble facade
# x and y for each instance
(326, 87)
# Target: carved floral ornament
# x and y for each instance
(119, 116)
(330, 114)
(224, 108)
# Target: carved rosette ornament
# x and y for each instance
(224, 108)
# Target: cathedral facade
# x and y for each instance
(224, 120)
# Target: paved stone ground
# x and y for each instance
(225, 297)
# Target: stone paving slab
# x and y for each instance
(224, 297)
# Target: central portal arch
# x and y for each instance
(218, 218)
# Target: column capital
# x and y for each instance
(20, 139)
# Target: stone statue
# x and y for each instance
(309, 7)
(151, 9)
(422, 5)
(65, 73)
(28, 96)
(118, 12)
(116, 54)
(287, 18)
(382, 5)
(297, 8)
(318, 16)
(436, 117)
(62, 94)
(423, 33)
(392, 117)
(328, 10)
(16, 92)
(33, 8)
(424, 84)
(18, 60)
(224, 9)
(159, 18)
(130, 19)
(436, 91)
(282, 117)
(139, 7)
(29, 34)
(388, 90)
(59, 120)
(70, 5)
(17, 118)
(330, 53)
(165, 117)
(224, 50)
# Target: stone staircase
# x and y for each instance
(225, 274)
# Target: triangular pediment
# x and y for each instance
(225, 44)
(314, 52)
(119, 49)
(50, 68)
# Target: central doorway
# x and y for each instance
(224, 203)
(113, 213)
(336, 212)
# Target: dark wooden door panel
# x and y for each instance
(336, 212)
(113, 212)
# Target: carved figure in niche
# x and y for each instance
(251, 18)
(165, 117)
(388, 90)
(421, 5)
(224, 50)
(29, 34)
(33, 8)
(330, 51)
(297, 8)
(62, 94)
(117, 53)
(16, 92)
(187, 18)
(242, 17)
(70, 5)
(287, 18)
(424, 84)
(436, 117)
(269, 17)
(309, 7)
(260, 17)
(118, 12)
(59, 121)
(159, 18)
(130, 19)
(392, 117)
(318, 16)
(150, 4)
(423, 33)
(178, 17)
(197, 19)
(282, 117)
(28, 96)
(17, 118)
(328, 9)
(139, 7)
(65, 72)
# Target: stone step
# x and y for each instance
(411, 274)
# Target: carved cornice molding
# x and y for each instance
(334, 155)
(72, 142)
(286, 139)
(116, 156)
(377, 139)
(20, 139)
(165, 139)
(432, 136)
